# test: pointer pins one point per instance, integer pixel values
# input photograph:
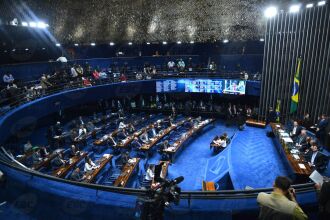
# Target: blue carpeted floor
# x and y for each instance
(254, 160)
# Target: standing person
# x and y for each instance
(281, 203)
(324, 200)
(321, 128)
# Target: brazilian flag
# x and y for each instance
(295, 90)
(278, 110)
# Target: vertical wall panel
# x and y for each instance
(290, 36)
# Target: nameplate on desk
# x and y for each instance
(302, 166)
(296, 156)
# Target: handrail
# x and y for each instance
(22, 99)
(222, 194)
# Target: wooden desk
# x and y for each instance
(255, 123)
(126, 173)
(208, 186)
(179, 143)
(46, 161)
(162, 134)
(284, 149)
(25, 156)
(90, 177)
(63, 170)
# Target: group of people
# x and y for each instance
(219, 143)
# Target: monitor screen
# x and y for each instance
(219, 86)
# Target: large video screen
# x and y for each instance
(219, 86)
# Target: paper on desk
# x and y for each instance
(287, 140)
(284, 134)
(278, 126)
(316, 177)
(296, 156)
(302, 166)
(280, 130)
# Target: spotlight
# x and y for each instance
(43, 48)
(262, 39)
(14, 22)
(179, 42)
(310, 5)
(58, 45)
(164, 42)
(225, 41)
(33, 24)
(112, 43)
(148, 43)
(294, 8)
(26, 49)
(321, 3)
(192, 42)
(270, 12)
(13, 50)
(93, 44)
(42, 25)
(130, 43)
(76, 45)
(25, 24)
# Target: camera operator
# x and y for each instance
(281, 203)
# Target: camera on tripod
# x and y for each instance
(160, 195)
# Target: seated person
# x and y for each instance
(74, 151)
(130, 128)
(124, 157)
(121, 125)
(144, 137)
(296, 130)
(82, 131)
(58, 129)
(306, 145)
(189, 124)
(164, 145)
(43, 152)
(158, 126)
(213, 142)
(77, 175)
(122, 134)
(152, 132)
(315, 159)
(150, 173)
(112, 141)
(58, 161)
(36, 158)
(136, 143)
(221, 143)
(301, 139)
(89, 165)
(28, 146)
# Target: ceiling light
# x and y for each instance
(270, 12)
(192, 42)
(310, 5)
(179, 42)
(43, 48)
(42, 25)
(58, 45)
(25, 24)
(14, 50)
(262, 39)
(148, 43)
(33, 24)
(225, 41)
(294, 8)
(164, 42)
(93, 44)
(130, 43)
(76, 45)
(26, 49)
(112, 43)
(320, 3)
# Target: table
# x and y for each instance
(179, 143)
(255, 123)
(126, 172)
(299, 166)
(46, 161)
(63, 170)
(90, 177)
(162, 134)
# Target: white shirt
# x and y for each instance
(294, 130)
(121, 125)
(27, 147)
(221, 142)
(62, 59)
(170, 64)
(8, 79)
(90, 167)
(181, 63)
(149, 175)
(73, 72)
(82, 131)
(313, 157)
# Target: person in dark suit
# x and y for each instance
(315, 159)
(136, 143)
(321, 128)
(271, 116)
(77, 175)
(58, 161)
(122, 134)
(152, 132)
(74, 151)
(58, 129)
(307, 121)
(296, 130)
(304, 146)
(124, 158)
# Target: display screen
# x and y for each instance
(220, 86)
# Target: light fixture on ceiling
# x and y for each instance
(270, 12)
